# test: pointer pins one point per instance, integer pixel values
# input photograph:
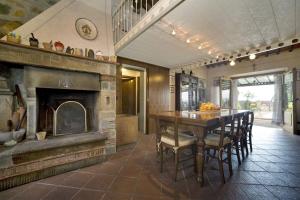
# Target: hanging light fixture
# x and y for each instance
(252, 56)
(232, 63)
(173, 32)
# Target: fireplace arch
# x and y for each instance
(70, 117)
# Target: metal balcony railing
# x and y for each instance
(128, 14)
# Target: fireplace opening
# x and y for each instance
(62, 112)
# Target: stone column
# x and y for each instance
(107, 109)
(6, 102)
(31, 113)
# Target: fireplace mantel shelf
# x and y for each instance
(27, 55)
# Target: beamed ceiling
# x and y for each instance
(222, 27)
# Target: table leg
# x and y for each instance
(200, 162)
(201, 133)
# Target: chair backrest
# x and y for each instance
(168, 126)
(236, 124)
(245, 122)
(250, 120)
(223, 121)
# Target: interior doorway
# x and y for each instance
(134, 94)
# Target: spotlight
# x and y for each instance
(188, 41)
(173, 32)
(252, 56)
(199, 47)
(232, 63)
(209, 52)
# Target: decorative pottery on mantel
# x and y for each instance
(13, 37)
(70, 50)
(59, 47)
(33, 41)
(86, 29)
(48, 45)
(90, 54)
(78, 52)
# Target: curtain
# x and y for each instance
(215, 92)
(277, 117)
(234, 94)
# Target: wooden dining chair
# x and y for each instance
(174, 140)
(220, 143)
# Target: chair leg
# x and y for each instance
(214, 153)
(250, 141)
(236, 144)
(176, 163)
(220, 161)
(161, 157)
(246, 145)
(194, 148)
(207, 157)
(242, 147)
(229, 159)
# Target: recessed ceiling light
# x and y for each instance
(199, 47)
(188, 41)
(252, 56)
(209, 52)
(217, 56)
(173, 32)
(232, 63)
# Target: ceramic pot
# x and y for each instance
(48, 45)
(33, 41)
(91, 54)
(41, 135)
(70, 50)
(59, 46)
(78, 52)
(99, 55)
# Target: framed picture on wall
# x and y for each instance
(86, 29)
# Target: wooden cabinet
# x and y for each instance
(189, 92)
(127, 129)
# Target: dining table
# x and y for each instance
(199, 123)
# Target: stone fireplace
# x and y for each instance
(62, 102)
(71, 98)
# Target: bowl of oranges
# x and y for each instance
(209, 107)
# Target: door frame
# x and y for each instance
(145, 83)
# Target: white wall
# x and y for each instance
(58, 24)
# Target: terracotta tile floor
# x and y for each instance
(271, 171)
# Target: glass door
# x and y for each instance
(225, 87)
(288, 101)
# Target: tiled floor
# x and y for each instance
(272, 171)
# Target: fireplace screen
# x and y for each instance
(70, 117)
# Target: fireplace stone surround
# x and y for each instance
(36, 69)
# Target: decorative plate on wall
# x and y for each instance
(86, 29)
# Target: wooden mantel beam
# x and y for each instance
(26, 55)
